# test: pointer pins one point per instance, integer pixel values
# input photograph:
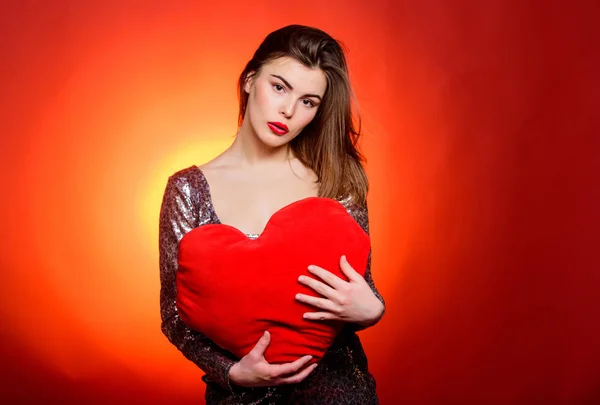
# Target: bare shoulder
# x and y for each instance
(212, 164)
(216, 166)
(303, 172)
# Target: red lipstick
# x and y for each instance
(278, 128)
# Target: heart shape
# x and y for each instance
(232, 288)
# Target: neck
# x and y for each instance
(251, 151)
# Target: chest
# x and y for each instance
(248, 203)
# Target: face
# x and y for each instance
(284, 94)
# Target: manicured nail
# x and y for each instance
(301, 278)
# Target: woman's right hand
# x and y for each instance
(254, 371)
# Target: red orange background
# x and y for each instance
(481, 133)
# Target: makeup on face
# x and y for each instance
(278, 128)
(286, 81)
(289, 86)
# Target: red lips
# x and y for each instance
(278, 128)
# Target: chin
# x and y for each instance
(274, 141)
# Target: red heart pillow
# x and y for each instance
(232, 288)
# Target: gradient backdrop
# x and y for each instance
(481, 132)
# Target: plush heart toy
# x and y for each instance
(232, 288)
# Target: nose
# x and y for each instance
(287, 107)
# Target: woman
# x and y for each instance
(296, 140)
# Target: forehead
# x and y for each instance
(302, 78)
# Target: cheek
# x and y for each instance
(306, 116)
(262, 98)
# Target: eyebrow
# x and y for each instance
(291, 88)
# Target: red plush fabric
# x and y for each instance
(232, 288)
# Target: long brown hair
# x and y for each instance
(329, 143)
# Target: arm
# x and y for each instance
(361, 216)
(177, 217)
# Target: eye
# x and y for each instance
(309, 104)
(278, 87)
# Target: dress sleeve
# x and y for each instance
(177, 217)
(360, 214)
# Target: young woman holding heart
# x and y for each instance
(267, 296)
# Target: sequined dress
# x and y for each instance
(342, 376)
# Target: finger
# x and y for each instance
(330, 278)
(319, 287)
(279, 370)
(297, 377)
(262, 344)
(321, 316)
(348, 270)
(322, 303)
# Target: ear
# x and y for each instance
(249, 81)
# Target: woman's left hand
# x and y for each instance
(348, 301)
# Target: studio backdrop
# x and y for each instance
(480, 128)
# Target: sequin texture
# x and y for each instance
(342, 376)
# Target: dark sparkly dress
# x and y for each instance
(342, 376)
